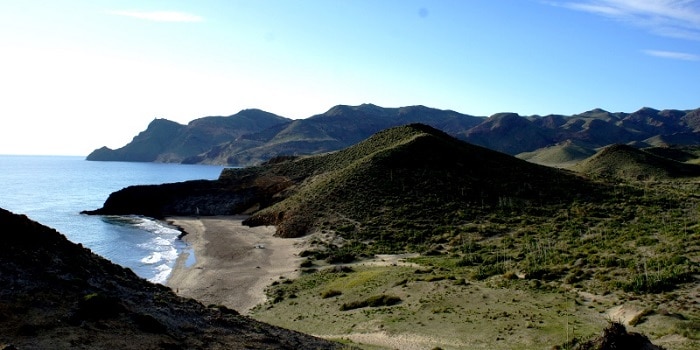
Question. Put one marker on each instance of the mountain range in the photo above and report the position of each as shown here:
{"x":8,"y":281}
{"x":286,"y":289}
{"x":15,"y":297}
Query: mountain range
{"x":254,"y":136}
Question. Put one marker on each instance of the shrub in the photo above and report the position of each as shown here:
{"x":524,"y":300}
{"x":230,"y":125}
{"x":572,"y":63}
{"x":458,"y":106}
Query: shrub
{"x":401,"y":283}
{"x":510,"y":275}
{"x":340,"y":258}
{"x":373,"y":301}
{"x":656,"y":282}
{"x":544,"y":274}
{"x":383,"y":300}
{"x":485,"y":271}
{"x":305,"y":253}
{"x":330,"y":293}
{"x":97,"y":307}
{"x":435,"y":278}
{"x":148,"y":323}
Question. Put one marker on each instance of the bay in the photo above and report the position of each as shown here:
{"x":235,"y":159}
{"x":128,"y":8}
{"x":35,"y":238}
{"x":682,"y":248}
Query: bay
{"x":52,"y":190}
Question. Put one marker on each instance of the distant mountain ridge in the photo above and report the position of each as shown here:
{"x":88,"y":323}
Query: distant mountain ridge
{"x":254,"y":136}
{"x":171,"y":142}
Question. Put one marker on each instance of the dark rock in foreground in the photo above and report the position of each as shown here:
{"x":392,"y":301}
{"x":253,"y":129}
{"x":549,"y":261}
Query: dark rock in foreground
{"x":616,"y":337}
{"x":58,"y":295}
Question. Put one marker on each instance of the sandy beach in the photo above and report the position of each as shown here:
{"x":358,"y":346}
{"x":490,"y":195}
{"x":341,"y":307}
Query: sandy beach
{"x":232,"y":263}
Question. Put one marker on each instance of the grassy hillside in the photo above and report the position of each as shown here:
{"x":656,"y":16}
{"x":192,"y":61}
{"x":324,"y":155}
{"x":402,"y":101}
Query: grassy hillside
{"x":561,"y":155}
{"x":402,"y":184}
{"x":513,"y":255}
{"x":503,"y":253}
{"x":627,"y":162}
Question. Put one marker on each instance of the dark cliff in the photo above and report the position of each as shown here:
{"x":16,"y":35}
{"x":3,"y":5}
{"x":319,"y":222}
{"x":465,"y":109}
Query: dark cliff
{"x":58,"y":295}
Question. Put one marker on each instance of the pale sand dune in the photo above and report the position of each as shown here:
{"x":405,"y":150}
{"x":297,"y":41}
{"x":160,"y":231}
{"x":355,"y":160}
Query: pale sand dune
{"x":234,"y":263}
{"x":398,"y":341}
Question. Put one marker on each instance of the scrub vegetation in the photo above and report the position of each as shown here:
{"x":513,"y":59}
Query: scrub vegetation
{"x":512,"y":254}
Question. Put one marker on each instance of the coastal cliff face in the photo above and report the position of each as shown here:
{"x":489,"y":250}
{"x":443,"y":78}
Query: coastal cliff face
{"x":242,"y":191}
{"x":58,"y":295}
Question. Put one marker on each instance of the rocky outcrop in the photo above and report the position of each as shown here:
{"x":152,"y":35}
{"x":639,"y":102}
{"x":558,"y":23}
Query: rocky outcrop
{"x":58,"y":295}
{"x":616,"y":337}
{"x":241,"y":191}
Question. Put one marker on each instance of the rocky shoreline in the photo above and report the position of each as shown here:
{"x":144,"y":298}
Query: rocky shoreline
{"x":59,"y":295}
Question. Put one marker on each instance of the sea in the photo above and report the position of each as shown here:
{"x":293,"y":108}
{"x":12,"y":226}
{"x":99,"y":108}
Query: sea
{"x":53,"y":190}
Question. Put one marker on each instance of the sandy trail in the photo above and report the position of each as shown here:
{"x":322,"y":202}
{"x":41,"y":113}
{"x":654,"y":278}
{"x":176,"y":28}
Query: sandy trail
{"x":233,"y":263}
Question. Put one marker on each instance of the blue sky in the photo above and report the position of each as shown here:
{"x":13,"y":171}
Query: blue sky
{"x":77,"y":75}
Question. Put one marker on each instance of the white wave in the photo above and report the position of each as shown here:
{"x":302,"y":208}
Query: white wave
{"x":160,"y":241}
{"x":152,"y":259}
{"x":170,"y":254}
{"x":163,"y":272}
{"x":161,"y":247}
{"x":155,"y":226}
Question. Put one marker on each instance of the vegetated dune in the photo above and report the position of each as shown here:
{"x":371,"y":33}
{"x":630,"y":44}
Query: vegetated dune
{"x":58,"y":295}
{"x":626,"y":162}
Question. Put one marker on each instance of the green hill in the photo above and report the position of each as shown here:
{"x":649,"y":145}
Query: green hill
{"x":403,"y":183}
{"x":627,"y":162}
{"x":561,"y":155}
{"x":683,"y":154}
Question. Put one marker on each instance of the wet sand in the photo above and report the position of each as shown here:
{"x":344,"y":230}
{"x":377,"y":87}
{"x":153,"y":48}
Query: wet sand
{"x":232,"y":263}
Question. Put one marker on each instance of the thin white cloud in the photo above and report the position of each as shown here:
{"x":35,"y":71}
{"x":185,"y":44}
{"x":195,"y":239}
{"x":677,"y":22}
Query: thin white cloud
{"x":673,"y":55}
{"x":160,"y":16}
{"x":672,"y":18}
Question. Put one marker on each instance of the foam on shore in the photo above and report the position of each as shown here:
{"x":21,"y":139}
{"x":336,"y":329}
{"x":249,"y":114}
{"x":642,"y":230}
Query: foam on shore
{"x":156,"y":248}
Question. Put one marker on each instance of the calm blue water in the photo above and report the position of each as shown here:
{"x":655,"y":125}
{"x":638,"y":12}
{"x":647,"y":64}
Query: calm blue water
{"x":53,"y":190}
